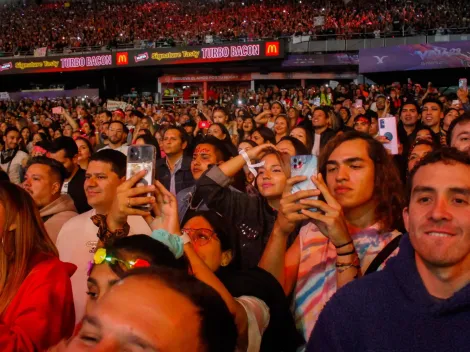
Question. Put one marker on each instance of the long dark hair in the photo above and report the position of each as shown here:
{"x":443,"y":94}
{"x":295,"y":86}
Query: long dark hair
{"x":388,"y":188}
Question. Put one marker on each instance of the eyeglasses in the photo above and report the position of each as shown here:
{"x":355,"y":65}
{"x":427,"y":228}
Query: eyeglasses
{"x":201,"y":237}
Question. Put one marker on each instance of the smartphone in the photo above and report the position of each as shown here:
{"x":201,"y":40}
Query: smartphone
{"x":57,"y":110}
{"x":388,"y":129}
{"x":142,"y":157}
{"x":463,"y":84}
{"x":358,"y":103}
{"x":204,"y":124}
{"x":316,"y":101}
{"x":304,"y":165}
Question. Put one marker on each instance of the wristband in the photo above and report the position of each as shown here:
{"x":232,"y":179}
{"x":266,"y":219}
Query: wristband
{"x":175,"y":243}
{"x":251,"y":166}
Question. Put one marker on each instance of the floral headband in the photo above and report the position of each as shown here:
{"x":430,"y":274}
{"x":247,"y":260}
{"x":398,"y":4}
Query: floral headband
{"x":102,"y":256}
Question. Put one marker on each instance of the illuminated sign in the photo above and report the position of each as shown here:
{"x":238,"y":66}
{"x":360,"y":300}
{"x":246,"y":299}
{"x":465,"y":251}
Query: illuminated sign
{"x":141,"y":57}
{"x":148,"y":57}
{"x":88,"y":61}
{"x":122,"y":58}
{"x":6,"y":66}
{"x":272,"y":48}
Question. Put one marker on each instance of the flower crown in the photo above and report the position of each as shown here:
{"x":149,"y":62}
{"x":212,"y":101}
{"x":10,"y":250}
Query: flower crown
{"x":102,"y":256}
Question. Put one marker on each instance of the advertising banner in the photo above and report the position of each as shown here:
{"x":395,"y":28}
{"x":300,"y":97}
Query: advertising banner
{"x":227,"y":77}
{"x":146,"y":57}
{"x":307,"y":60}
{"x":415,"y":57}
{"x":112,"y":105}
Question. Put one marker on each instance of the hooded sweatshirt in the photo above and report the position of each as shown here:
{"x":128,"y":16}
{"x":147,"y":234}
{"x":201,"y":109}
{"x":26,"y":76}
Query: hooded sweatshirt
{"x":391,"y":310}
{"x":41,"y":313}
{"x":56,"y":214}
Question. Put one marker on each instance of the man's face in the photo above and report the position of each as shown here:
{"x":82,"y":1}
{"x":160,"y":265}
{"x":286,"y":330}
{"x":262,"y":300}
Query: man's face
{"x":184,"y":119}
{"x":172,"y":143}
{"x":41,"y":185}
{"x":409,"y":115}
{"x":68,"y":163}
{"x":431,"y":115}
{"x":461,"y":137}
{"x":437,"y":217}
{"x":100,"y":185}
{"x":319,"y":119}
{"x":11,"y":140}
{"x":134,"y":120}
{"x":350,"y":174}
{"x":380,"y":103}
{"x":374,"y":126}
{"x":203,"y":156}
{"x":104,"y":118}
{"x":151,"y":325}
{"x":115,"y":133}
{"x":362,"y":125}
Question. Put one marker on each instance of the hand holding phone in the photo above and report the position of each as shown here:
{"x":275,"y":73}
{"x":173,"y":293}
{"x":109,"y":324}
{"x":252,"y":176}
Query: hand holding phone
{"x":463,"y":84}
{"x":57,"y":110}
{"x":204,"y":124}
{"x":141,"y":158}
{"x":304,"y":165}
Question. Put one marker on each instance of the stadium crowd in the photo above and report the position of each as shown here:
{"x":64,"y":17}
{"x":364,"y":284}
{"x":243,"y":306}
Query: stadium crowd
{"x":278,"y":220}
{"x":78,"y":24}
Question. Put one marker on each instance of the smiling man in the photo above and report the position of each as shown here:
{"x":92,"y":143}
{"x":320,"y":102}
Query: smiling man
{"x":426,"y":289}
{"x":77,"y":240}
{"x":431,"y":115}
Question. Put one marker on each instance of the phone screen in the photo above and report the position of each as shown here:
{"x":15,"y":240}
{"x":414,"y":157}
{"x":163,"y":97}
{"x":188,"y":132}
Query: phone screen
{"x":141,"y":157}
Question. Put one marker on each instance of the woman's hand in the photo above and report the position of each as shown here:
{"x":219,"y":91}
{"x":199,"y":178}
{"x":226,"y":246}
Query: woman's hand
{"x":128,"y":197}
{"x":257,"y":152}
{"x":165,"y":209}
{"x":330,"y":221}
{"x":290,"y":208}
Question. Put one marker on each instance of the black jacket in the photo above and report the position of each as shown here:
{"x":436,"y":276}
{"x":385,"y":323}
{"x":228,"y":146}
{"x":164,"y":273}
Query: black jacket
{"x":77,"y":192}
{"x":325,"y":137}
{"x":183,"y":177}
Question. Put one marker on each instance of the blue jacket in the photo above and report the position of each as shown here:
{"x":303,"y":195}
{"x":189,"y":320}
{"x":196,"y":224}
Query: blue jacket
{"x":391,"y":310}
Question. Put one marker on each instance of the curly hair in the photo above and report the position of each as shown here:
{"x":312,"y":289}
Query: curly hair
{"x":388,"y":188}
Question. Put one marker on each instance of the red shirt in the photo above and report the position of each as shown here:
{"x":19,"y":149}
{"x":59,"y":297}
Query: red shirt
{"x":42,"y":312}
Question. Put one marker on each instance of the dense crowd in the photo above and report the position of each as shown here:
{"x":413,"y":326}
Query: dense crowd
{"x":75,"y":24}
{"x":271,"y":220}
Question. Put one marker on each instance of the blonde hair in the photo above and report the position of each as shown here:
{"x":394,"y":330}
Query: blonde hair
{"x":23,"y":236}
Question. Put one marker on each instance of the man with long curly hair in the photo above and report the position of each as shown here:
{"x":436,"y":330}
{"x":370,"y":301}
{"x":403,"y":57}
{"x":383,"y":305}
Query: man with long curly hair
{"x":353,"y":220}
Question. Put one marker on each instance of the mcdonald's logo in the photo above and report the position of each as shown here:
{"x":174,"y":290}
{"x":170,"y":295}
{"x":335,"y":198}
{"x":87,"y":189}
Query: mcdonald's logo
{"x":272,"y":49}
{"x":122,"y":58}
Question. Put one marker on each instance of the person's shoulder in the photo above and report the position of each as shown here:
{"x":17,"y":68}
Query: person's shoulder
{"x":77,"y":220}
{"x":49,"y":269}
{"x":21,"y":154}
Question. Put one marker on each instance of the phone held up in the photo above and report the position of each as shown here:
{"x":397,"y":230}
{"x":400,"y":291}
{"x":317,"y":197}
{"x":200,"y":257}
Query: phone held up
{"x":463,"y":84}
{"x":142,"y":157}
{"x":304,"y":165}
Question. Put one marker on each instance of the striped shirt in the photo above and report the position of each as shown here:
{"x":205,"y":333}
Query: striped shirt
{"x":316,"y":278}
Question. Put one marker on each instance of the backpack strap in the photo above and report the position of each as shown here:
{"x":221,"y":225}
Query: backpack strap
{"x":383,"y":255}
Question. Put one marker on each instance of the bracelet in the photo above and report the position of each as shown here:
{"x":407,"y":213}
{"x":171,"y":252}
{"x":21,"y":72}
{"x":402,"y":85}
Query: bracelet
{"x":347,"y":253}
{"x":251,"y":166}
{"x":174,"y":243}
{"x":343,"y":245}
{"x":341,"y":267}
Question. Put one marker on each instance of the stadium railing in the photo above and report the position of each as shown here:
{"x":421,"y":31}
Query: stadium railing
{"x":296,"y":43}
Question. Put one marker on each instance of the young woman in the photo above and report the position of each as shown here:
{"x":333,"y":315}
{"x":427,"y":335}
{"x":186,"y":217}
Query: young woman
{"x":147,"y":139}
{"x":252,"y":216}
{"x":219,"y":115}
{"x":85,"y":150}
{"x":267,"y":118}
{"x":291,"y":146}
{"x":147,"y":124}
{"x":293,"y":115}
{"x":418,"y":150}
{"x":303,"y":135}
{"x":263,"y":135}
{"x":281,"y":127}
{"x":68,"y":130}
{"x":36,"y":302}
{"x":26,"y":139}
{"x":248,"y":127}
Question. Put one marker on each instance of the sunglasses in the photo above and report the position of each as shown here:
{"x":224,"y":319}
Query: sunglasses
{"x":200,"y":237}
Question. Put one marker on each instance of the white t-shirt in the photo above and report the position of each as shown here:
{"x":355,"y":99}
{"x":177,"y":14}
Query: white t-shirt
{"x":316,"y":145}
{"x":123,"y":149}
{"x":76,"y":244}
